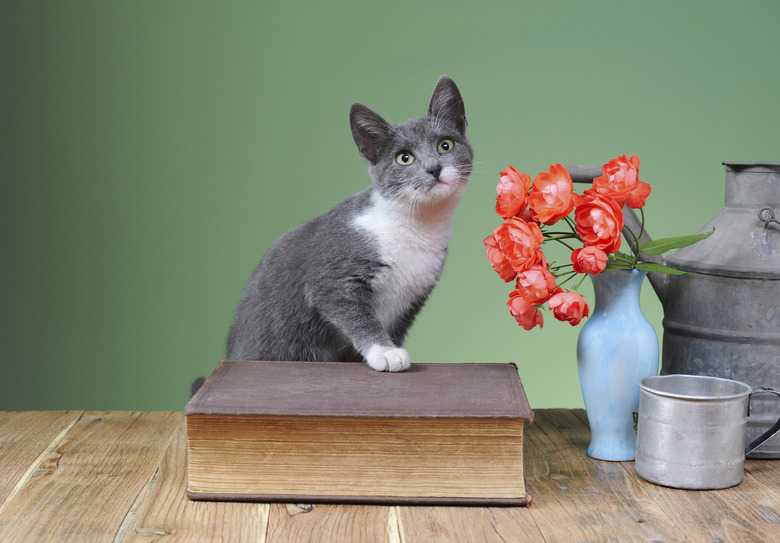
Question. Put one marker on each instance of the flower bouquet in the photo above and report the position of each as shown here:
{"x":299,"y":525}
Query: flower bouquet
{"x":589,"y":225}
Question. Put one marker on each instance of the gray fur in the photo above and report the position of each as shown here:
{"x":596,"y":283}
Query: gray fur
{"x":314,"y":294}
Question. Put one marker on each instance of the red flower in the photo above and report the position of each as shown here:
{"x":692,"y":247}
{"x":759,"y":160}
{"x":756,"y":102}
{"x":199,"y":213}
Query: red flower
{"x":520,"y":242}
{"x":535,"y":285}
{"x":639,"y":195}
{"x":526,"y":314}
{"x":568,"y":307}
{"x":619,"y":180}
{"x":599,"y":221}
{"x":551,"y":195}
{"x":497,"y":259}
{"x":512,"y":192}
{"x":589,"y":260}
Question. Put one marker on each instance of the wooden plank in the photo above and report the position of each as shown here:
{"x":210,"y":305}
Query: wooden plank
{"x":163,"y":512}
{"x":24,"y":437}
{"x":749,"y":511}
{"x":89,"y":482}
{"x":577,"y":498}
{"x":332,"y":523}
{"x":122,"y":477}
{"x":483,"y":524}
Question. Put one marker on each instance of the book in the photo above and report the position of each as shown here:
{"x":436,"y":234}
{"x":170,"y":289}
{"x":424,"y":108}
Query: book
{"x":343,"y":433}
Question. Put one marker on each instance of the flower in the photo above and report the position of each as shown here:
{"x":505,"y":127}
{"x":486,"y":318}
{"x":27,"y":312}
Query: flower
{"x":638,"y":196}
{"x":568,"y":306}
{"x":589,"y":259}
{"x":535,"y":284}
{"x":619,"y":181}
{"x":498,"y":260}
{"x":520,"y":242}
{"x":512,"y":192}
{"x":618,"y":178}
{"x":531,"y":208}
{"x":525,"y":313}
{"x":551,"y":195}
{"x":599,"y":221}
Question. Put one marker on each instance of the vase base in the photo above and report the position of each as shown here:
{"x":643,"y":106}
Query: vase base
{"x":612,"y":454}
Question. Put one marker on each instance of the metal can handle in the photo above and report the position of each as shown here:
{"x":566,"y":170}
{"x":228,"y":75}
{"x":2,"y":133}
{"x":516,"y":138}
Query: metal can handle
{"x":767,"y":215}
{"x":769,"y":434}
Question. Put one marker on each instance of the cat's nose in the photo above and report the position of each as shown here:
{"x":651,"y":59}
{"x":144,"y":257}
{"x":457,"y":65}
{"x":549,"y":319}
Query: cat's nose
{"x":433,"y":168}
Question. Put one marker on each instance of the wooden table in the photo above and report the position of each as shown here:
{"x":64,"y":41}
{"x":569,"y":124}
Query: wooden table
{"x":121,"y":476}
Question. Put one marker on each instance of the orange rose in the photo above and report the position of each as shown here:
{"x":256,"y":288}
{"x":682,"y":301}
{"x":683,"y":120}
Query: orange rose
{"x":526,"y":314}
{"x":619,"y":177}
{"x":520,"y":242}
{"x":589,"y":260}
{"x":638,"y":196}
{"x":568,"y":307}
{"x":599,"y":221}
{"x":497,"y":259}
{"x":551,"y":195}
{"x":535,"y":285}
{"x":512,"y":192}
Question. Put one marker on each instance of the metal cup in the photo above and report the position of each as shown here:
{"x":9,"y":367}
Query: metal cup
{"x":691,"y":431}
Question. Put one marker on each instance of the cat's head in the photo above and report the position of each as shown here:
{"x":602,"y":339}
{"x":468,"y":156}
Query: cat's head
{"x":423,"y":160}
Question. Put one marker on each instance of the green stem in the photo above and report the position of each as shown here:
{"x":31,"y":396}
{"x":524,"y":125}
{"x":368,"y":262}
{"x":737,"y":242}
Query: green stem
{"x":566,"y":278}
{"x":584,"y":275}
{"x":634,"y":244}
{"x":554,"y":236}
{"x":571,"y":223}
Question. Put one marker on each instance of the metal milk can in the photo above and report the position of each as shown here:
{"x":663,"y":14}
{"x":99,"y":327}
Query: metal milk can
{"x":723,"y":318}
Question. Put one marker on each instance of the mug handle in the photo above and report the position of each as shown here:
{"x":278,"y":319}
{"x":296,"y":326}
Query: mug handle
{"x":769,"y":434}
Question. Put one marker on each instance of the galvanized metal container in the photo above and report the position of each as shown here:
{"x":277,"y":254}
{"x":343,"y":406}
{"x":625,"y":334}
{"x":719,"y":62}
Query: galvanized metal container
{"x":691,"y":431}
{"x":723,"y":319}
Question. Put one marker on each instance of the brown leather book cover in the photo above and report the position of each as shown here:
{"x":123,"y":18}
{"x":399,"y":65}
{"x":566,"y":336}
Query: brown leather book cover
{"x":341,"y":432}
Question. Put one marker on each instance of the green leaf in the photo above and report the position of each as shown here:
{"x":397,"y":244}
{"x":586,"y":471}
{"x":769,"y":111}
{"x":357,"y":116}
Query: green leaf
{"x":622,"y":257}
{"x":660,"y":268}
{"x":615,"y":265}
{"x":660,"y":246}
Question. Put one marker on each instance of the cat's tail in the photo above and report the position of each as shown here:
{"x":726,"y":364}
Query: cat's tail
{"x":196,"y":384}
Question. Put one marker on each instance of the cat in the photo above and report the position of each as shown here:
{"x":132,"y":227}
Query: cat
{"x":346,"y":286}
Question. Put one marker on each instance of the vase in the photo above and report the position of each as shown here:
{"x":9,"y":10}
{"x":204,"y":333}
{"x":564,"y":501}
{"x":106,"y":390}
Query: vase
{"x":617,"y":347}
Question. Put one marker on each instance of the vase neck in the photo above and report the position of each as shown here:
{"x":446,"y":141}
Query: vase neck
{"x":618,"y":288}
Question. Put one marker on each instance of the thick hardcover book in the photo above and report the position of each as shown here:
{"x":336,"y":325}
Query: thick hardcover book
{"x":341,"y":432}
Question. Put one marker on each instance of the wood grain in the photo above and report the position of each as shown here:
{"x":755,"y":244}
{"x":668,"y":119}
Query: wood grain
{"x":483,"y":524}
{"x":120,"y":477}
{"x":577,"y":498}
{"x":324,"y":523}
{"x":83,"y":489}
{"x":24,"y":437}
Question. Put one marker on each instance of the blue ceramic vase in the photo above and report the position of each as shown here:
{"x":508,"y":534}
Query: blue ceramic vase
{"x":617,"y":346}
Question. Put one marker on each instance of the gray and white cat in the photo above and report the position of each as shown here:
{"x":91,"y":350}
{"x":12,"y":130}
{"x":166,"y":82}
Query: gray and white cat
{"x":346,"y":286}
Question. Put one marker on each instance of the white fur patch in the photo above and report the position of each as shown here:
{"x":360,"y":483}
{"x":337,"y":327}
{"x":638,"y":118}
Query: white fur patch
{"x":413,"y":248}
{"x":381,"y":358}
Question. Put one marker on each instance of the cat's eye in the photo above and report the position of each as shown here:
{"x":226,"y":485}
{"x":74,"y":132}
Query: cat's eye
{"x":404,"y":158}
{"x":445,"y":146}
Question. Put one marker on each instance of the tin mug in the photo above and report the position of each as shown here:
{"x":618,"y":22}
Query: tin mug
{"x":691,"y":431}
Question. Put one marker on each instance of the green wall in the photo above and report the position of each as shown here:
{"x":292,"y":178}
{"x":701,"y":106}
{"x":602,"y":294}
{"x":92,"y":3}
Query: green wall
{"x":151,"y":151}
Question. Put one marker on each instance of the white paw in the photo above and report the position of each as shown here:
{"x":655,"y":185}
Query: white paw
{"x":381,"y":358}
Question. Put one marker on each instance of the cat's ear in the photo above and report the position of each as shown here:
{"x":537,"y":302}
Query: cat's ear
{"x":369,"y":131}
{"x":447,"y":105}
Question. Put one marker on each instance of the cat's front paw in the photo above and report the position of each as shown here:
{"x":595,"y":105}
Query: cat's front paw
{"x":382,"y":358}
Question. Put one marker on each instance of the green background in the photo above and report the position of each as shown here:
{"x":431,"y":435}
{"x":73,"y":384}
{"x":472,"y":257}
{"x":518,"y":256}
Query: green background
{"x":151,"y":151}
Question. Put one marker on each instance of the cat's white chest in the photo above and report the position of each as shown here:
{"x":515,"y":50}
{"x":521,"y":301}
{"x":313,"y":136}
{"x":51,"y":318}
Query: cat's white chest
{"x":414,"y":252}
